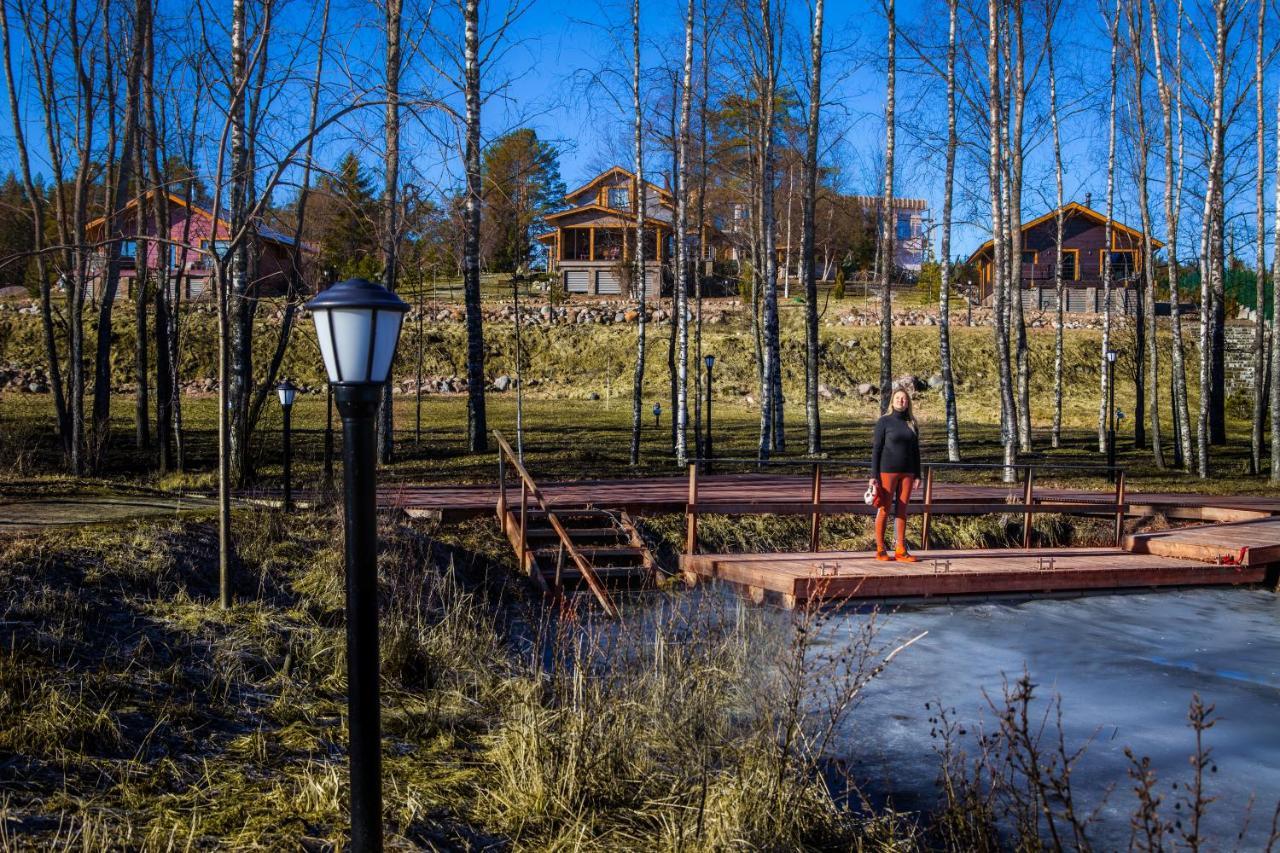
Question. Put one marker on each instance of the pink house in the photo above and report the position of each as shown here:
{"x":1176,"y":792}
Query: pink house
{"x":193,"y":233}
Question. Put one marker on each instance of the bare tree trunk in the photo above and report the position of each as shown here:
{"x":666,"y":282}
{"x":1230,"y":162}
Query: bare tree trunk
{"x":295,"y":285}
{"x":1211,"y":246}
{"x":142,"y":284}
{"x":1113,"y":30}
{"x":1275,"y":342}
{"x":390,"y":213}
{"x":944,"y":288}
{"x":703,"y":255}
{"x":640,"y":280}
{"x":36,"y":201}
{"x":1142,"y":144}
{"x":229,"y":289}
{"x":807,"y":214}
{"x":118,"y":199}
{"x":1172,"y":209}
{"x":683,"y":264}
{"x":1000,"y":266}
{"x":770,"y":398}
{"x":886,"y":213}
{"x":158,"y":196}
{"x":477,"y":430}
{"x":1259,"y":328}
{"x":1059,"y":326}
{"x":1016,"y":157}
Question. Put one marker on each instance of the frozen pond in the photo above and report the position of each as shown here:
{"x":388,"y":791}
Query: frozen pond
{"x":1125,"y":666}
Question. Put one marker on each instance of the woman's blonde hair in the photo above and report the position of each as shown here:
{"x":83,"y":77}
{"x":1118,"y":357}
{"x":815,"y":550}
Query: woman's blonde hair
{"x":909,"y":414}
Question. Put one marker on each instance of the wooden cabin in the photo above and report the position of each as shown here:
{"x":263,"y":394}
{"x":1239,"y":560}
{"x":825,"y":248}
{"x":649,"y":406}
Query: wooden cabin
{"x":190,"y":270}
{"x":591,"y":246}
{"x":1084,"y":252}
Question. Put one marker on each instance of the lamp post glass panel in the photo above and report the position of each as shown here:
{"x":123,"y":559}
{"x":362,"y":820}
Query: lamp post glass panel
{"x":358,"y":326}
{"x":287,"y":392}
{"x":711,"y":362}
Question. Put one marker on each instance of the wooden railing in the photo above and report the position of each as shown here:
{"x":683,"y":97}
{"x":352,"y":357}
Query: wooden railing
{"x":529,"y":489}
{"x":816,"y":508}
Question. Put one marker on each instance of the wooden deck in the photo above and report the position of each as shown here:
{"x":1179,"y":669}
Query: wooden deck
{"x":796,"y":579}
{"x":1245,"y":543}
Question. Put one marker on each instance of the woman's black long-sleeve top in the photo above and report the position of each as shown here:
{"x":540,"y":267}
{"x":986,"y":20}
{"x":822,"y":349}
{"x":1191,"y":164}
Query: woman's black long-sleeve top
{"x":896,"y":447}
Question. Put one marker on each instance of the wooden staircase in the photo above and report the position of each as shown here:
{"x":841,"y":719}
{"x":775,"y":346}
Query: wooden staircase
{"x":570,"y":549}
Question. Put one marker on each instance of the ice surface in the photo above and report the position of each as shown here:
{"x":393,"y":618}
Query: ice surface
{"x":1125,"y":667}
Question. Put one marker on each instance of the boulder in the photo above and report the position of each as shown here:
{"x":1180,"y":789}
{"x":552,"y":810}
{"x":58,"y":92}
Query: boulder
{"x":866,"y":389}
{"x":935,"y":382}
{"x":502,"y":383}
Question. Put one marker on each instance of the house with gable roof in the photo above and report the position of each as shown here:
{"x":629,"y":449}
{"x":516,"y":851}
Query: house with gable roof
{"x":1085,"y":255}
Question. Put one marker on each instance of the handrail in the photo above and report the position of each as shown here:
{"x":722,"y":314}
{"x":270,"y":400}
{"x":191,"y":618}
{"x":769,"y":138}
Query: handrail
{"x":816,"y":507}
{"x":866,"y":463}
{"x":527,"y":487}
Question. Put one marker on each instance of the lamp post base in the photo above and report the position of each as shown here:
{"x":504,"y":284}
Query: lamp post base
{"x":358,"y":406}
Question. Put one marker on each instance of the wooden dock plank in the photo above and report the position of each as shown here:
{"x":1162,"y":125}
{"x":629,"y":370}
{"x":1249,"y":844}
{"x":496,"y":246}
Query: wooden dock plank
{"x":858,"y":575}
{"x":1253,"y":543}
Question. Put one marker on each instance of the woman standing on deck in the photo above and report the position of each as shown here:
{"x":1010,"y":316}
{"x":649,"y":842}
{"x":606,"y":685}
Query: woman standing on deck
{"x":895,"y":467}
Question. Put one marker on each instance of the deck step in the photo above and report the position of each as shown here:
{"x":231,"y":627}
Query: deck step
{"x":576,"y":533}
{"x":591,"y":554}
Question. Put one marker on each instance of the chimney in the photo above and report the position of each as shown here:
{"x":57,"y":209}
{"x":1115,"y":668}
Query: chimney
{"x":1088,"y":199}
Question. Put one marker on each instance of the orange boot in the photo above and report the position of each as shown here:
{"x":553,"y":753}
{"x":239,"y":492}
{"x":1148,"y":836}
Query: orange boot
{"x":882,"y":520}
{"x":900,"y":552}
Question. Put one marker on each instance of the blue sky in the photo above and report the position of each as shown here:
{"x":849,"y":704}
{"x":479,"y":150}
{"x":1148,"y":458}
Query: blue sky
{"x":558,"y":47}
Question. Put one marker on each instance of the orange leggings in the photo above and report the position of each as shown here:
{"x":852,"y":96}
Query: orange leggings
{"x":899,"y":487}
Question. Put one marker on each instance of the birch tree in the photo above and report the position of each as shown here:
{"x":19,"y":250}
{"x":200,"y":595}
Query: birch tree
{"x":390,"y":211}
{"x":1260,"y":212}
{"x":944,"y":286}
{"x":638,"y":278}
{"x":1170,"y":94}
{"x":477,"y":428}
{"x":1059,"y":325}
{"x":807,"y":260}
{"x":1000,"y":266}
{"x":1113,"y":32}
{"x":886,"y":214}
{"x":683,"y":262}
{"x":1211,"y":237}
{"x":1142,"y":144}
{"x":1275,"y":350}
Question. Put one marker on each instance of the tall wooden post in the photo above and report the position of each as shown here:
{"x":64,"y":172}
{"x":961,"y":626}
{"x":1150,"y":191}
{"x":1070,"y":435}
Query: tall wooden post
{"x":1027,"y":494}
{"x":691,"y":512}
{"x":1120,"y":497}
{"x":928,"y":508}
{"x":815,"y":521}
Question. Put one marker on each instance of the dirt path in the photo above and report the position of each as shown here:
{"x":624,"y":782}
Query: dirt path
{"x":19,"y":514}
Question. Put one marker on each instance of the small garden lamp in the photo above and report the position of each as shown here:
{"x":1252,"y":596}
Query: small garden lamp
{"x":358,"y":326}
{"x":286,"y":391}
{"x":657,"y":413}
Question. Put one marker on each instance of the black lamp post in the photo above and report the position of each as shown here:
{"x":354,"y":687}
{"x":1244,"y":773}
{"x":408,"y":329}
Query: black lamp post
{"x":657,"y":414}
{"x":287,"y":392}
{"x":1111,"y":417}
{"x":711,"y":362}
{"x":358,"y":324}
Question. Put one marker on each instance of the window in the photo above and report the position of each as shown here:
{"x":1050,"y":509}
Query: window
{"x":1070,"y":272}
{"x":1029,"y":258}
{"x":1122,"y":264}
{"x":619,"y":198}
{"x":128,"y":250}
{"x":904,"y":226}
